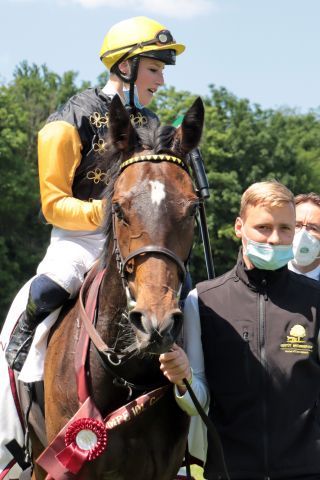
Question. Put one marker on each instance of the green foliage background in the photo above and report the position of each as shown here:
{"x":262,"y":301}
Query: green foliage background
{"x":241,"y":144}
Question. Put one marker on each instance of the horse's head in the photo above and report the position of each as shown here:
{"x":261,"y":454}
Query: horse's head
{"x":153,"y":211}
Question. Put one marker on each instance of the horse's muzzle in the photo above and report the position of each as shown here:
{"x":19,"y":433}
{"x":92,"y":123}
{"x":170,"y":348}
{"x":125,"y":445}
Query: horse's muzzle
{"x":154,"y":336}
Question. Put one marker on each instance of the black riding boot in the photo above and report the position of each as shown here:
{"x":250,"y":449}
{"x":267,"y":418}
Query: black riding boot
{"x":45,"y":296}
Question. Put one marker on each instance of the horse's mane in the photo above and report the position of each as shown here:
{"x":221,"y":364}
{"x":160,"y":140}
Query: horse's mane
{"x":159,"y":139}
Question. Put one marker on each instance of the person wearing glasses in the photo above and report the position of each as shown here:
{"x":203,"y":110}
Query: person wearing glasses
{"x":135,"y":51}
{"x":306,"y":243}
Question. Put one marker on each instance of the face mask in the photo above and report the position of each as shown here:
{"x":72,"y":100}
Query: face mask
{"x":267,"y":257}
{"x":306,"y":248}
{"x":126,"y":93}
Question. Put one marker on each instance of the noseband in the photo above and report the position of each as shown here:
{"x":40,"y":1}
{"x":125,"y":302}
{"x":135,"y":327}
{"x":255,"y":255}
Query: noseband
{"x":147,"y":249}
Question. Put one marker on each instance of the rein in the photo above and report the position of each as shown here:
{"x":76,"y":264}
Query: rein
{"x":92,"y":285}
{"x":100,"y":345}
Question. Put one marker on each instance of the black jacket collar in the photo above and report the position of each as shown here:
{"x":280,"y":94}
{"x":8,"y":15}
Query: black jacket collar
{"x":257,"y":279}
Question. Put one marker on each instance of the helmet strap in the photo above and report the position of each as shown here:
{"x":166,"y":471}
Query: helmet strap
{"x":133,"y":77}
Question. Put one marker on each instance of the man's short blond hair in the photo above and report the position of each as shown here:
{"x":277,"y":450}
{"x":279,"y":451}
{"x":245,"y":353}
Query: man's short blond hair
{"x":271,"y":193}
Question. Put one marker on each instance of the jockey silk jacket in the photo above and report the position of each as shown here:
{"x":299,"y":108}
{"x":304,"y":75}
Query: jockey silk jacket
{"x":72,"y":173}
{"x":260,"y":334}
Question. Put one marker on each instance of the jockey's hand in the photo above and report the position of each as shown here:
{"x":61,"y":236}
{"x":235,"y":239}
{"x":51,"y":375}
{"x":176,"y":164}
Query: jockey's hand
{"x":175,"y":366}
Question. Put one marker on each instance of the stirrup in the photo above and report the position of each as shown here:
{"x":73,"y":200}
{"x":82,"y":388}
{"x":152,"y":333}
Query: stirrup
{"x":16,"y":354}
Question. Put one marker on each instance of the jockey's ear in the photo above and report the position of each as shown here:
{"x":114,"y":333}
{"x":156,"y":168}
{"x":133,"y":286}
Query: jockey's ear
{"x":191,"y":128}
{"x":121,"y":131}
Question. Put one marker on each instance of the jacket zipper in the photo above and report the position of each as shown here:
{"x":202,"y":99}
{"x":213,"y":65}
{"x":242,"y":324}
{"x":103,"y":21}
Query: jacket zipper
{"x":262,"y":337}
{"x":245,"y":337}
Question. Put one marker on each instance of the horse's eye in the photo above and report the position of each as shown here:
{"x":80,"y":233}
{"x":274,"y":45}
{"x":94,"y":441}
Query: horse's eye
{"x":193,"y":209}
{"x":118,"y":211}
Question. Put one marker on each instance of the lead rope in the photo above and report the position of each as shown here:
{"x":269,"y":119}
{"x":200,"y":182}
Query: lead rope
{"x":217,"y":453}
{"x":188,"y":462}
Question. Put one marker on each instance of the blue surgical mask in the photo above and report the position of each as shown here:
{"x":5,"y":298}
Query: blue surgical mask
{"x":268,"y":257}
{"x":126,"y":93}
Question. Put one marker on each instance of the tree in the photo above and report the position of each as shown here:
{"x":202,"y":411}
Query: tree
{"x":25,"y":104}
{"x":241,"y":144}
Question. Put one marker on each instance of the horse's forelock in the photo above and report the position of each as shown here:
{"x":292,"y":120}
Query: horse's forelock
{"x":157,"y":139}
{"x":164,"y":138}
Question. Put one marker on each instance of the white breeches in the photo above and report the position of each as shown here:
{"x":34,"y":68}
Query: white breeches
{"x":69,"y":257}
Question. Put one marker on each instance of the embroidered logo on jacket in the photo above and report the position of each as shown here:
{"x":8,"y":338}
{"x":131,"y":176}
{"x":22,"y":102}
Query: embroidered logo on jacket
{"x":139,"y":120}
{"x":100,"y":147}
{"x":295,"y":341}
{"x":102,"y":121}
{"x":99,"y":120}
{"x":98,"y":175}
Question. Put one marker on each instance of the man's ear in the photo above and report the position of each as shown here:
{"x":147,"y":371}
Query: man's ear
{"x":238,"y":227}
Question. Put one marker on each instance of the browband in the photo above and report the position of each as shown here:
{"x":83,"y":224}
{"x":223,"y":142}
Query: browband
{"x":154,"y":158}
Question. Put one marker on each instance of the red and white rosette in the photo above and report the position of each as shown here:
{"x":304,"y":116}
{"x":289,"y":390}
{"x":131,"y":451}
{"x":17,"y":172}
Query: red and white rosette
{"x":85,"y":439}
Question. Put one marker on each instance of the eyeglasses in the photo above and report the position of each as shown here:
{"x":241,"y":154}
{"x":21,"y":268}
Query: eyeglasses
{"x":310,"y":227}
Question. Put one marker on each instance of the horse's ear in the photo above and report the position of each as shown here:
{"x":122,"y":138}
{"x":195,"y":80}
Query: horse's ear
{"x":121,"y":131}
{"x":192,"y":125}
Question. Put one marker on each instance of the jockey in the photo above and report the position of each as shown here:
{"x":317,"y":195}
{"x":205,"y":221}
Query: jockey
{"x":72,"y":180}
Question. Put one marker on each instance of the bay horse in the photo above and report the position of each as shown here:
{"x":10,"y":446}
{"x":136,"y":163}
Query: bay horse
{"x":149,"y":223}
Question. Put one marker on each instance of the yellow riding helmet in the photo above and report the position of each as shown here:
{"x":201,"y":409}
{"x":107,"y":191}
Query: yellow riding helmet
{"x":136,"y":36}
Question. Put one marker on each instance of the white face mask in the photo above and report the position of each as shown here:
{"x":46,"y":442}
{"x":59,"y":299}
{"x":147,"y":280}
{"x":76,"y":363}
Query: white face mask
{"x":306,"y":248}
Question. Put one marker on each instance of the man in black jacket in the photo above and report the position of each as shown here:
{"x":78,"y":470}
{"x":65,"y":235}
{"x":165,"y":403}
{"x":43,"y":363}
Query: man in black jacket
{"x":259,"y":328}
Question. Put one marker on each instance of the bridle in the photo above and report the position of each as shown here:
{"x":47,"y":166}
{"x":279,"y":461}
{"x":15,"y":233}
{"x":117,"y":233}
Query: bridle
{"x":107,"y":354}
{"x":122,"y":262}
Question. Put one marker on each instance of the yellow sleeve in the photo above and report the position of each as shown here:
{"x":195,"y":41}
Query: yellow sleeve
{"x":59,"y":155}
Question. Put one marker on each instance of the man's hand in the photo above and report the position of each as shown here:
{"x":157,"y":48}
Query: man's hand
{"x":175,"y":366}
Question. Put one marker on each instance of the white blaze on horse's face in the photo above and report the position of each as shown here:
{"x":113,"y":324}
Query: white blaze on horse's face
{"x":157,"y":192}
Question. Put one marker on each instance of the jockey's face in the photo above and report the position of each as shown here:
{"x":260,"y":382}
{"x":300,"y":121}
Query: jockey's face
{"x":150,"y":78}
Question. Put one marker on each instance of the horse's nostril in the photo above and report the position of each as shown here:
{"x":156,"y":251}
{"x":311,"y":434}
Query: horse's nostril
{"x":160,"y":338}
{"x":136,"y":318}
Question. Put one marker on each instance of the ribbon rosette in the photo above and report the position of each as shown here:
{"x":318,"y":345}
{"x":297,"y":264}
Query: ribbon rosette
{"x":85,"y":439}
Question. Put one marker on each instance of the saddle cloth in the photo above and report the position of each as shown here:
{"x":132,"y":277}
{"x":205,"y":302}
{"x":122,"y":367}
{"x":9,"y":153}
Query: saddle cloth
{"x":10,"y":426}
